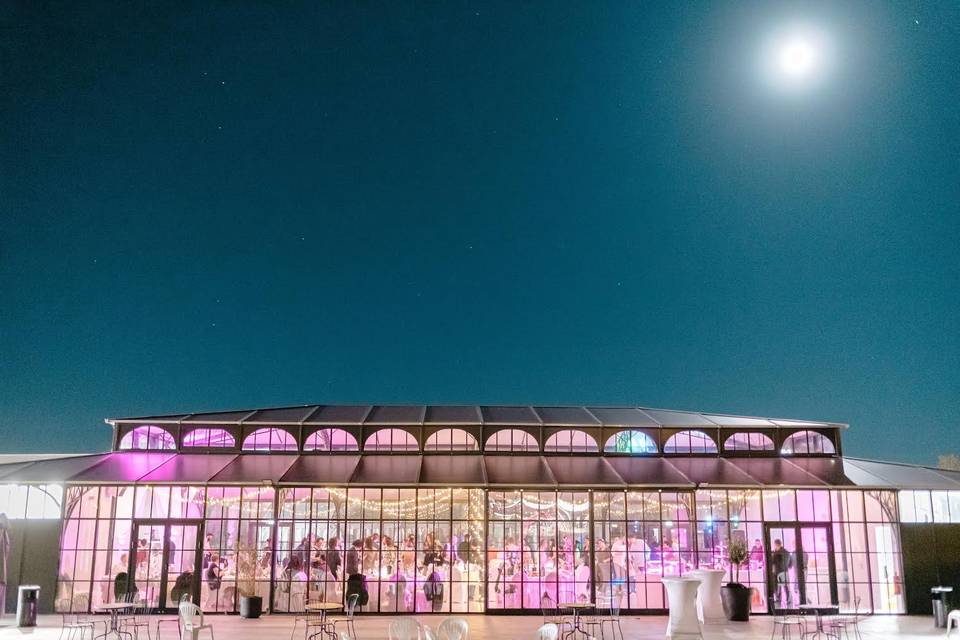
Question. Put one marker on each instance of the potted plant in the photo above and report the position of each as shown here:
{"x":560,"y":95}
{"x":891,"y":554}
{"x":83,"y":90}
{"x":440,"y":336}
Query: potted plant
{"x":735,"y":596}
{"x":251,"y":605}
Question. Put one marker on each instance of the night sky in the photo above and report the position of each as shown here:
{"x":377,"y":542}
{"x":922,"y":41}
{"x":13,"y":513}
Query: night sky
{"x":260,"y":204}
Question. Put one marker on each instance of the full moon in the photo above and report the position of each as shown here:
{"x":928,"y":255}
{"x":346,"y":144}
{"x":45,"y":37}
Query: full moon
{"x":796,"y":58}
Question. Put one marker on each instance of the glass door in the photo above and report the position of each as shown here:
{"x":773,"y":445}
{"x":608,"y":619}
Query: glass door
{"x":800,"y":565}
{"x":165,"y":562}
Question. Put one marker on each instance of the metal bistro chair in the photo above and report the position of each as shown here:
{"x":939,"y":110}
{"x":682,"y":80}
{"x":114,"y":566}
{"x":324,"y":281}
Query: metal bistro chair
{"x":73,"y":622}
{"x":849,"y":621}
{"x":348,"y":618}
{"x":786,"y":622}
{"x":552,"y":614}
{"x":453,"y":629}
{"x":137,"y":619}
{"x":312,"y":621}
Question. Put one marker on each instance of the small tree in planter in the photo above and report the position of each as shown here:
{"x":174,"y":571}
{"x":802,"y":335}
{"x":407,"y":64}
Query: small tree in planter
{"x":735,"y":596}
{"x":251,"y":605}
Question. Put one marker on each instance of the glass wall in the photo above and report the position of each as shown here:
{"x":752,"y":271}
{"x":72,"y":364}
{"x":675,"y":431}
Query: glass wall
{"x":419,"y":550}
{"x":539,"y":549}
{"x":424,"y":550}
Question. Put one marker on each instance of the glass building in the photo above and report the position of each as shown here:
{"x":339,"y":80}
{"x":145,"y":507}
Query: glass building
{"x":494,"y":508}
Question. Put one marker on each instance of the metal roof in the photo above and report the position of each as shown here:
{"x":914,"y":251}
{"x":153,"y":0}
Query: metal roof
{"x":399,"y":415}
{"x":488,"y":470}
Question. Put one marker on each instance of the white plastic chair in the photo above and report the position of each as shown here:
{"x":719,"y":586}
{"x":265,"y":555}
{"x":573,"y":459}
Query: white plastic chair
{"x":953,"y":618}
{"x":191,"y":620}
{"x":549,"y":631}
{"x":453,"y":629}
{"x":403,"y":629}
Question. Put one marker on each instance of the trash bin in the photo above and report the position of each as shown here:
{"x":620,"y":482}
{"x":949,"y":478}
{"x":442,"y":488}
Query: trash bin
{"x":27,"y":602}
{"x":941,"y":605}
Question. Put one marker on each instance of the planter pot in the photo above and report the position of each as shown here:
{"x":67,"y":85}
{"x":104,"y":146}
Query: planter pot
{"x":736,"y":602}
{"x":251,"y":606}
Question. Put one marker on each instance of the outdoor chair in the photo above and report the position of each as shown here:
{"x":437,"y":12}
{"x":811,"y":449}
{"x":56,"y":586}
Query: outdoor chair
{"x":404,"y":629}
{"x":191,"y":620}
{"x":549,"y":631}
{"x":607,"y":613}
{"x":310,"y":619}
{"x":73,"y":622}
{"x":348,"y":619}
{"x":137,"y":619}
{"x":786,"y":622}
{"x":850,"y":621}
{"x":174,"y":619}
{"x":552,"y":614}
{"x":453,"y":629}
{"x":953,"y":618}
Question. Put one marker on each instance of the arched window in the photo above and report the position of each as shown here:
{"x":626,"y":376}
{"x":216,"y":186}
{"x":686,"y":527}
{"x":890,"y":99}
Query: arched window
{"x":451,"y":440}
{"x":331,"y":440}
{"x":630,"y":441}
{"x":148,"y":438}
{"x":269,"y":440}
{"x":391,"y":440}
{"x":803,"y":442}
{"x":511,"y":440}
{"x":570,"y":441}
{"x":690,"y":442}
{"x":209,"y":437}
{"x":748,"y":442}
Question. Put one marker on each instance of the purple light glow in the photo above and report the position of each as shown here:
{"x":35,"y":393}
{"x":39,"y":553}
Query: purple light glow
{"x":148,"y":437}
{"x":748,"y":442}
{"x":269,"y":440}
{"x":807,"y":442}
{"x":690,"y":442}
{"x":512,"y":440}
{"x":209,"y":437}
{"x":331,"y":440}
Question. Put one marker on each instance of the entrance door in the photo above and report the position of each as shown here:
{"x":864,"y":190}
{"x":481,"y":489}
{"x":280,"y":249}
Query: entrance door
{"x":165,"y":561}
{"x":800,"y":564}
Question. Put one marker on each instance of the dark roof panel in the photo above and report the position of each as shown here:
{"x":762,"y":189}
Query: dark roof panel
{"x":566,"y":417}
{"x":712,"y":471}
{"x":55,"y":469}
{"x":738,"y":421}
{"x":518,"y":471}
{"x":622,"y":417}
{"x":828,"y":470}
{"x":321,"y":469}
{"x":590,"y":471}
{"x":648,"y":471}
{"x":775,"y":471}
{"x":452,"y":470}
{"x":255,"y":468}
{"x":452,"y":415}
{"x":123,"y":467}
{"x":332,"y":415}
{"x":387,"y":470}
{"x":190,"y":468}
{"x":678,"y":419}
{"x":519,"y":416}
{"x":286,"y":415}
{"x":396,"y":415}
{"x":222,"y":417}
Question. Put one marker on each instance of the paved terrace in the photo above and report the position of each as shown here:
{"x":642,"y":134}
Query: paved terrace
{"x":490,"y":628}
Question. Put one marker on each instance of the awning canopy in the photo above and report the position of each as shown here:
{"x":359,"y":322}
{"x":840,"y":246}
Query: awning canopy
{"x":476,"y":470}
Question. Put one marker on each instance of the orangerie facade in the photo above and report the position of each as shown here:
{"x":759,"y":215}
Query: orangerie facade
{"x":506,"y":507}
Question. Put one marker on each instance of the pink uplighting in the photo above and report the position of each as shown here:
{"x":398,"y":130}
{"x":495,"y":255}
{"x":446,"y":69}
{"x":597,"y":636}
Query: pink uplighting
{"x":148,"y":437}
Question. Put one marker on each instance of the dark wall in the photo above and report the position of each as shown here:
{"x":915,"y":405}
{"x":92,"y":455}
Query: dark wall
{"x":927,"y":548}
{"x":34,"y":558}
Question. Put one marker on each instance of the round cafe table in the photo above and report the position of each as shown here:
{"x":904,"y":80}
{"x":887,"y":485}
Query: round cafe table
{"x":114,"y":609}
{"x":682,"y":598}
{"x":577,"y":608}
{"x":708,"y":595}
{"x":323,"y":627}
